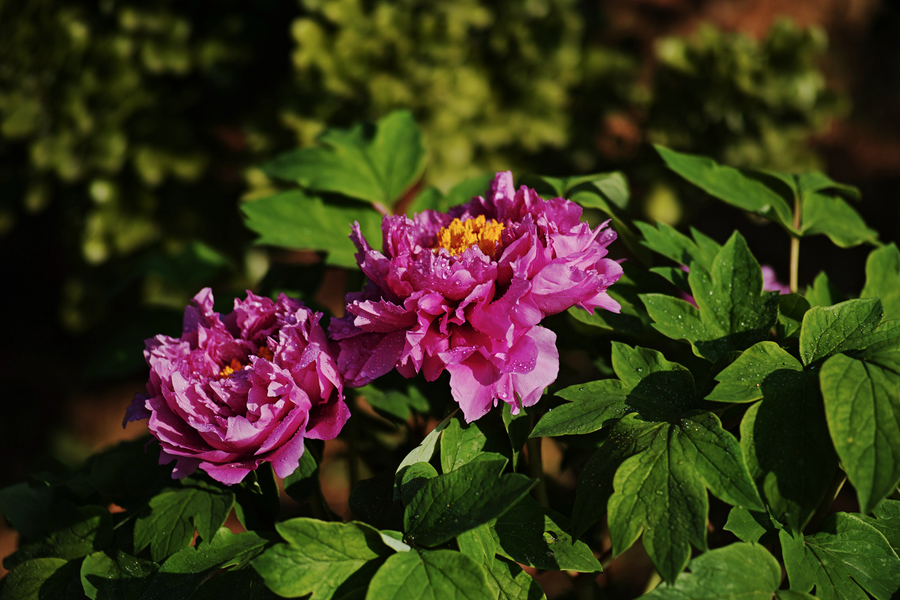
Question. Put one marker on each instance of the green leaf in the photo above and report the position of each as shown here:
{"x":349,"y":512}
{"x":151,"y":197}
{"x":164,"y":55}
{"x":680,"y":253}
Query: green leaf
{"x":595,"y":484}
{"x":376,"y":164}
{"x":887,"y":522}
{"x":735,"y":572}
{"x":883,"y":279}
{"x":168,"y":522}
{"x":745,"y":190}
{"x":430,"y":575}
{"x":111,"y":575}
{"x":304,"y":481}
{"x":839,"y":328}
{"x":822,"y":292}
{"x":299,"y":221}
{"x":245,"y":584}
{"x":461,"y":500}
{"x":478,"y":543}
{"x":26,"y":506}
{"x":394,"y":404}
{"x":649,"y":384}
{"x":424,"y":451}
{"x":412,"y":478}
{"x":73,"y":532}
{"x":862,"y":404}
{"x":187,"y":569}
{"x":791,"y":308}
{"x":322,"y":559}
{"x":845,"y":560}
{"x":810,"y":183}
{"x":509,"y":581}
{"x":679,"y":247}
{"x":462,"y":443}
{"x":432,"y":199}
{"x":783,"y":437}
{"x":518,"y":427}
{"x":632,"y":318}
{"x":746,"y":525}
{"x":832,"y":216}
{"x":530,"y":536}
{"x":732,"y":313}
{"x":43,"y":579}
{"x":660,"y":491}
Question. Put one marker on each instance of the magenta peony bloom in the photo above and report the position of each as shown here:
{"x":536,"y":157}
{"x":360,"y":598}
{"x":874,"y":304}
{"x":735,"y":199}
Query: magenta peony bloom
{"x":465,"y":292}
{"x":234,"y":392}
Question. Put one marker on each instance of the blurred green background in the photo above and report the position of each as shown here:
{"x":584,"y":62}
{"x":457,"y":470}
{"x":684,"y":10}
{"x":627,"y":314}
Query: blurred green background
{"x":130,"y":131}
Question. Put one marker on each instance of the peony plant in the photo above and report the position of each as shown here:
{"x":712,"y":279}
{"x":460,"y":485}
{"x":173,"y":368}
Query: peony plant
{"x":549,"y":398}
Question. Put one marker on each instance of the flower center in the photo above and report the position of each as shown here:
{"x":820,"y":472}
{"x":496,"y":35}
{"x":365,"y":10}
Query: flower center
{"x":236,"y":365}
{"x":459,"y":236}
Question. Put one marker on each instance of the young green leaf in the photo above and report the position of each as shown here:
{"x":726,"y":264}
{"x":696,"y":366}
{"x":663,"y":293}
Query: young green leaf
{"x":460,"y":500}
{"x":532,"y":536}
{"x":862,"y":404}
{"x":883,"y":279}
{"x":430,"y":575}
{"x":784,"y":437}
{"x":748,"y":526}
{"x":296,"y":220}
{"x":168,"y":523}
{"x":732,"y":313}
{"x":735,"y":572}
{"x":839,"y":328}
{"x":660,"y":491}
{"x":746,"y":190}
{"x":376,"y":164}
{"x":478,"y":543}
{"x":847,"y":558}
{"x":304,"y":481}
{"x":424,"y":451}
{"x":322,"y":559}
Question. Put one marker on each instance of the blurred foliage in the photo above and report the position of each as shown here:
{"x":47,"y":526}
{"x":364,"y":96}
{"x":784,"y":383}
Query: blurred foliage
{"x":747,"y":103}
{"x":128,"y":128}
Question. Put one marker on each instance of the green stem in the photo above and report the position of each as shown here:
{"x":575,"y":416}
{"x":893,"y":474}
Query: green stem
{"x":536,"y":467}
{"x":353,"y":449}
{"x":795,"y":245}
{"x":837,"y":482}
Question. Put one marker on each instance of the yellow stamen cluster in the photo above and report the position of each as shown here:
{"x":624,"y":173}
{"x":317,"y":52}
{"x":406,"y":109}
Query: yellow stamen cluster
{"x":459,"y":236}
{"x":236,"y":365}
{"x":228,"y":370}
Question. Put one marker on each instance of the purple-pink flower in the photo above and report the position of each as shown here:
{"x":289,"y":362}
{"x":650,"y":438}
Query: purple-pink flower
{"x":465,"y":291}
{"x":239,"y":390}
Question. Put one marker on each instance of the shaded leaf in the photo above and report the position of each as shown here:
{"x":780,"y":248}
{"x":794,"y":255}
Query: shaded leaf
{"x":43,"y":579}
{"x":111,"y":575}
{"x":784,"y":437}
{"x":460,"y":500}
{"x":510,"y":582}
{"x":412,"y":478}
{"x":168,"y":523}
{"x":822,"y":292}
{"x":304,"y":481}
{"x":530,"y":536}
{"x":791,"y":308}
{"x":462,"y":442}
{"x":73,"y":532}
{"x":845,"y":560}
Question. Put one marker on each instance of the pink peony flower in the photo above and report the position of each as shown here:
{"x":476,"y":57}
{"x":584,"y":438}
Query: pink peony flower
{"x":234,"y":392}
{"x":465,"y":292}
